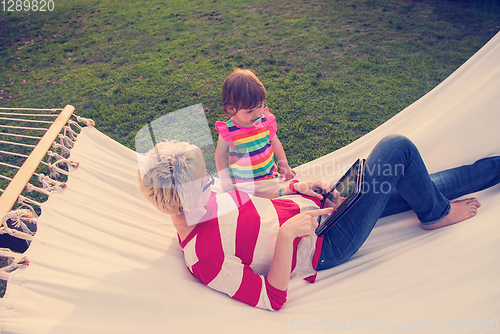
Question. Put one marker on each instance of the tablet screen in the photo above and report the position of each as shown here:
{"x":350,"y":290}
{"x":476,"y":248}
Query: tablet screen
{"x":345,"y":187}
{"x":342,"y":197}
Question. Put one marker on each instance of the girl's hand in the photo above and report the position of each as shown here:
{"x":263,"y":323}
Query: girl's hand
{"x":303,"y":224}
{"x":286,"y":173}
{"x":226,"y":184}
{"x":313,"y":188}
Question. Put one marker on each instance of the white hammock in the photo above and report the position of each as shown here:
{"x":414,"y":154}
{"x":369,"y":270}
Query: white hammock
{"x":105,"y":261}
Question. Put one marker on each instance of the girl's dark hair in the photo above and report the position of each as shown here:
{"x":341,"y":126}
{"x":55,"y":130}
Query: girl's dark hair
{"x":242,"y":90}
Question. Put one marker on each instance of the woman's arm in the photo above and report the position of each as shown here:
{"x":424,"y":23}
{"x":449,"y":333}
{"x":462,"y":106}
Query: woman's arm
{"x":305,"y":188}
{"x":301,"y":225}
{"x":280,"y":155}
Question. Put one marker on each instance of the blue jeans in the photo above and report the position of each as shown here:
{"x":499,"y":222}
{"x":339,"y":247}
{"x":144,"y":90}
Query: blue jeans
{"x":396,"y":180}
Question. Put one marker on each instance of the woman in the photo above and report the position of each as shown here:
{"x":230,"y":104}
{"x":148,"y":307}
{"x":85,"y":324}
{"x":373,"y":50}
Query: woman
{"x":250,"y":247}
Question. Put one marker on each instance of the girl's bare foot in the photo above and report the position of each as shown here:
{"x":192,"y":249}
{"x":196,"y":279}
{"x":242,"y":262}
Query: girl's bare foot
{"x":460,"y":211}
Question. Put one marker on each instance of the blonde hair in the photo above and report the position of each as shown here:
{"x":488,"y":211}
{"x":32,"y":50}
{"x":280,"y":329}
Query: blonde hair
{"x":168,"y":173}
{"x":242,"y":90}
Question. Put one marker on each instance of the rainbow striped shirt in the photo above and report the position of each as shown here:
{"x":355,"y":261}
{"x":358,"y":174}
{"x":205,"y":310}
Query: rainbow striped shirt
{"x":250,"y":154}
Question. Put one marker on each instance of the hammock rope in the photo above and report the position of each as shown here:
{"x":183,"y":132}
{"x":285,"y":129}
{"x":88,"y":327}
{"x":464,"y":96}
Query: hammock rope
{"x":24,"y":120}
{"x":21,"y":221}
{"x":26,"y":115}
{"x":11,"y":262}
{"x":16,"y":221}
{"x":18,"y":144}
{"x":54,"y":169}
{"x":22,"y":128}
{"x":17,"y":135}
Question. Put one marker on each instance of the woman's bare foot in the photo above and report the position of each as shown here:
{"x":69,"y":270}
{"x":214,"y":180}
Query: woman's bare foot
{"x":460,"y":211}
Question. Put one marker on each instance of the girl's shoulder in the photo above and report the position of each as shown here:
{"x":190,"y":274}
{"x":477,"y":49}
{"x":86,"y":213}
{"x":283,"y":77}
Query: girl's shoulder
{"x":268,"y":115}
{"x":271,"y":123}
{"x":223,"y":128}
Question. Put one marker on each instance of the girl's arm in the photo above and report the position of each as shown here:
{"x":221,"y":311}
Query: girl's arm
{"x":221,"y":163}
{"x":286,"y":172}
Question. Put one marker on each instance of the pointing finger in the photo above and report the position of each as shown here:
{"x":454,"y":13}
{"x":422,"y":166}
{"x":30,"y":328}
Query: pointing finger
{"x":319,"y":212}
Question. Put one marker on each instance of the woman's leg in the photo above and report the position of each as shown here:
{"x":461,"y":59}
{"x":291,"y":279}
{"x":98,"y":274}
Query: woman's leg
{"x":454,"y":183}
{"x":394,"y":164}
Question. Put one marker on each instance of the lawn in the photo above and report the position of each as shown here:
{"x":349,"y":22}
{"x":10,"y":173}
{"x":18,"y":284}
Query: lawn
{"x":334,"y":70}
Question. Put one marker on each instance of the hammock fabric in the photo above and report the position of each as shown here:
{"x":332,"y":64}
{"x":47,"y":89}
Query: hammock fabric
{"x":105,"y":261}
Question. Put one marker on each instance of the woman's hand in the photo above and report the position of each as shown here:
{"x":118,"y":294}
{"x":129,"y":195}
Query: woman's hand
{"x":302,"y":225}
{"x":313,"y":188}
{"x":334,"y":200}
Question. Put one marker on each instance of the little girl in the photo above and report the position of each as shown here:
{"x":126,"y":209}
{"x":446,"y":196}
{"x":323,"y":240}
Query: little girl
{"x":248,"y":141}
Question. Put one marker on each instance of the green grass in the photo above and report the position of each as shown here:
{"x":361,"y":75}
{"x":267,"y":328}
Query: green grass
{"x":3,"y":287}
{"x":334,"y":70}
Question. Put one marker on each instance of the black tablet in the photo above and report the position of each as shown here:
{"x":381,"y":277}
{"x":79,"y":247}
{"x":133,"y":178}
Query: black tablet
{"x":350,"y":189}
